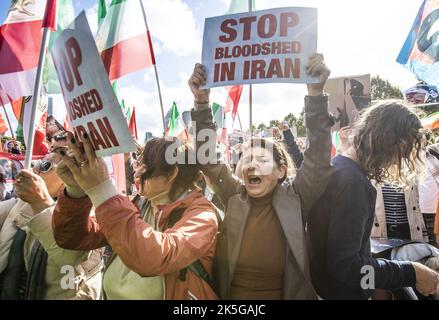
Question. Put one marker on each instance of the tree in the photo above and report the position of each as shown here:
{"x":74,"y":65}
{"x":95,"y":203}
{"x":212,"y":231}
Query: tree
{"x":382,"y":89}
{"x":274,"y":123}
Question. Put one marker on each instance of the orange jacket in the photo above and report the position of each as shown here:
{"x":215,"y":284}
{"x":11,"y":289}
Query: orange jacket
{"x":141,"y":248}
{"x":436,"y":221}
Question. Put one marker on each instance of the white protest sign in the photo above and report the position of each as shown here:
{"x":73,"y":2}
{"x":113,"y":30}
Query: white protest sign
{"x":260,"y":46}
{"x":91,"y":104}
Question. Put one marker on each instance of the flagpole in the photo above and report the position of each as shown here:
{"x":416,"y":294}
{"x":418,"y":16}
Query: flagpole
{"x":6,"y":114}
{"x":239,"y":119}
{"x":9,"y":123}
{"x":250,"y":93}
{"x":36,"y":98}
{"x":49,"y":22}
{"x":155,"y":68}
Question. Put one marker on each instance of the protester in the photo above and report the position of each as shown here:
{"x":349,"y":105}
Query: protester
{"x":291,"y":145}
{"x":398,"y":214}
{"x":266,"y":209}
{"x":165,"y":254}
{"x":32,"y":266}
{"x":387,"y":138}
{"x":429,"y":192}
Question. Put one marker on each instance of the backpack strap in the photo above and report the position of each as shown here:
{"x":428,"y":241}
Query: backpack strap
{"x":196,"y":266}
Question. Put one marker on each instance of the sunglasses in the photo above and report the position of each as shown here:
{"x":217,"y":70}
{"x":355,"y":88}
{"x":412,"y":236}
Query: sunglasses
{"x":43,"y":166}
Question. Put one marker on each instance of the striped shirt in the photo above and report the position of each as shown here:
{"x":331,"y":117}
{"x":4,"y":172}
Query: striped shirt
{"x":396,"y":212}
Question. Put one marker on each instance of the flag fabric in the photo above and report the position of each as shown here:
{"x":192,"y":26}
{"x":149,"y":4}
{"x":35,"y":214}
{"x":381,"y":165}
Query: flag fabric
{"x":336,"y":143}
{"x":132,"y":124}
{"x":65,"y":15}
{"x":102,"y":11}
{"x":20,"y":42}
{"x":40,"y":146}
{"x":3,"y":126}
{"x":176,"y":126}
{"x":218,"y":114}
{"x":17,"y":106}
{"x":123,"y":39}
{"x":232,"y":103}
{"x":67,"y":124}
{"x":420,"y":52}
{"x":50,"y":15}
{"x":432,"y":121}
{"x":422,"y":94}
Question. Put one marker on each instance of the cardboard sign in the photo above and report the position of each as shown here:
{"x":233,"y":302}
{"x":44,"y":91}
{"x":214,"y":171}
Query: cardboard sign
{"x":260,"y":47}
{"x":347,"y":97}
{"x":91,"y":104}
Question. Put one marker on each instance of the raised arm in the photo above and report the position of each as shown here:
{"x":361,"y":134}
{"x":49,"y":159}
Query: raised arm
{"x":313,"y":176}
{"x":73,"y":227}
{"x":225,"y":183}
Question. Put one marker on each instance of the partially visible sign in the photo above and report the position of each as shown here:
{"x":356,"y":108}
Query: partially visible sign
{"x":348,"y":96}
{"x":422,"y":94}
{"x":91,"y":104}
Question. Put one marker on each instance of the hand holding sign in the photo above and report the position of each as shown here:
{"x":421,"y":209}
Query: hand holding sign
{"x":91,"y":104}
{"x":197,"y":80}
{"x":87,"y":169}
{"x":316,"y":68}
{"x":259,"y":47}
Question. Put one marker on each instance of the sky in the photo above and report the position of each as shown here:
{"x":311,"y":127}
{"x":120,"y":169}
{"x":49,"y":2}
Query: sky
{"x":356,"y":37}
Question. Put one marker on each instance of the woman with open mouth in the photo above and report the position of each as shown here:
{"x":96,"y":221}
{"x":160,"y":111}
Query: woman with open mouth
{"x":261,"y":251}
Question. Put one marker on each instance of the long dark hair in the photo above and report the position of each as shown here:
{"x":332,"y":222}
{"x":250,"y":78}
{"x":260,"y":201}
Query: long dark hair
{"x":388,"y":140}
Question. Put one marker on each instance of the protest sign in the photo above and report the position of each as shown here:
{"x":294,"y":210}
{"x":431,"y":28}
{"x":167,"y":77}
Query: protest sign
{"x":422,"y":94}
{"x":260,"y":46}
{"x":420,"y":52}
{"x":91,"y":104}
{"x":347,"y":97}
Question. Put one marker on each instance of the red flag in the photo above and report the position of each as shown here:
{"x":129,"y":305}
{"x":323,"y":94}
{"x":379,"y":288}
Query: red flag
{"x":40,"y":144}
{"x":17,"y":106}
{"x":133,"y":124}
{"x":233,"y":99}
{"x":20,"y":42}
{"x":50,"y":15}
{"x":3,"y":126}
{"x":67,"y":124}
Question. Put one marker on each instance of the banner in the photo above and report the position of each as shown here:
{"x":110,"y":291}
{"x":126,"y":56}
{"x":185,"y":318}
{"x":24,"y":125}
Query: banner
{"x":260,"y":46}
{"x":91,"y":104}
{"x":420,"y":52}
{"x":422,"y":94}
{"x":347,"y":97}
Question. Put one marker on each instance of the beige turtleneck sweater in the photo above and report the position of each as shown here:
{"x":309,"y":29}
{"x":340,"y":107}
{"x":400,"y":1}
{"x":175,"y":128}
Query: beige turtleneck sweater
{"x":120,"y":283}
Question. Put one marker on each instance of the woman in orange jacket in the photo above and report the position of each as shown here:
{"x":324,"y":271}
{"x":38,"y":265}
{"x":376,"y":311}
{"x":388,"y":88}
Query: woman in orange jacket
{"x":167,"y":253}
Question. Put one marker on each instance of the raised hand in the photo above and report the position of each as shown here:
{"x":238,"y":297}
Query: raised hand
{"x":316,"y":67}
{"x":198,"y":79}
{"x":32,"y":189}
{"x":87,"y":169}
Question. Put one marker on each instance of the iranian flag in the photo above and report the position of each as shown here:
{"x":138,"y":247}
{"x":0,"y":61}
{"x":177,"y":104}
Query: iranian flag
{"x":64,"y":16}
{"x":176,"y":127}
{"x":20,"y":42}
{"x":123,"y":39}
{"x":40,"y":146}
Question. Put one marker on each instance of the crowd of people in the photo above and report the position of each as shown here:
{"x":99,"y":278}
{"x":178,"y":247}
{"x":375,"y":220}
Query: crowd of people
{"x":284,"y":222}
